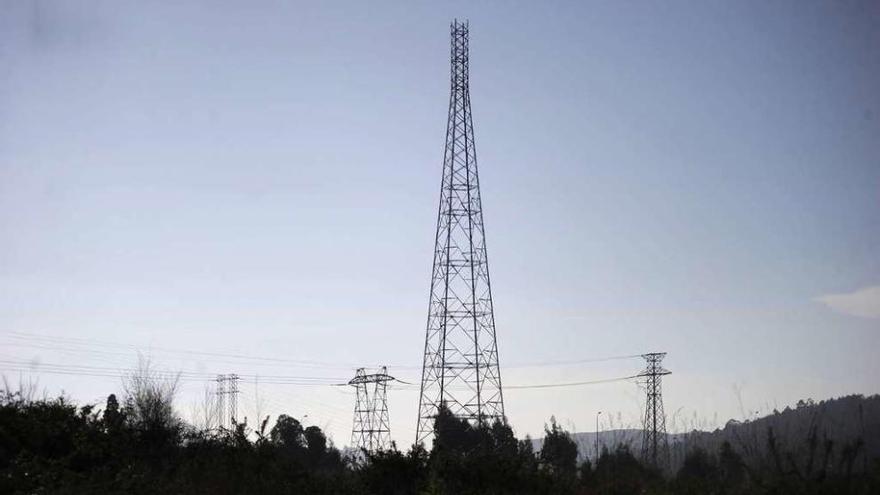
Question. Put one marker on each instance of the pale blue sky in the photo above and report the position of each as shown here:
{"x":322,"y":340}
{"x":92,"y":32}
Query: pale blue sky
{"x":263,"y":176}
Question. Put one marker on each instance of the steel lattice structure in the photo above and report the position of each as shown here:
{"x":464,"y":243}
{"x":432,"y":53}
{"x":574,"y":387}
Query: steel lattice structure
{"x":226,"y":400}
{"x":460,"y":367}
{"x":655,"y":444}
{"x":371,"y":431}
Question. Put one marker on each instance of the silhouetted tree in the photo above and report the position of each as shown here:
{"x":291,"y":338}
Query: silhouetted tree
{"x":391,"y":472}
{"x":698,"y":473}
{"x":287,"y":432}
{"x":53,"y":446}
{"x":731,"y":467}
{"x":559,"y":453}
{"x":618,"y":472}
{"x":316,"y":443}
{"x":585,"y":475}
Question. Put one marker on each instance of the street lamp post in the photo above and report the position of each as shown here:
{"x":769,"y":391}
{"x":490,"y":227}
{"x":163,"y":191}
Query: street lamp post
{"x":597,"y":435}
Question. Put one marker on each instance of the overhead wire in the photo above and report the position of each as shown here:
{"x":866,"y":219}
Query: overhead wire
{"x":279,"y":397}
{"x":75,"y":345}
{"x":106,"y":372}
{"x":101,"y":371}
{"x":570,"y":384}
{"x":56,"y":343}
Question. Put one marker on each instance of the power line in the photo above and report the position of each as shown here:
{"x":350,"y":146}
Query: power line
{"x":98,"y":371}
{"x":92,"y":342}
{"x":572,"y":384}
{"x":82,"y":346}
{"x":573,"y":362}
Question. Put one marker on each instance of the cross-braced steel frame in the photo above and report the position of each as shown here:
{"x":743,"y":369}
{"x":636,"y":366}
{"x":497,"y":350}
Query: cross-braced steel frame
{"x":371,"y":431}
{"x":460,"y":367}
{"x":226,"y":400}
{"x":655,"y":444}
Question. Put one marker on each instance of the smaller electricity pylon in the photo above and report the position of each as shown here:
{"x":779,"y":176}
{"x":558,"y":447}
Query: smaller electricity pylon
{"x":226,"y":401}
{"x":655,"y":444}
{"x":371,"y":431}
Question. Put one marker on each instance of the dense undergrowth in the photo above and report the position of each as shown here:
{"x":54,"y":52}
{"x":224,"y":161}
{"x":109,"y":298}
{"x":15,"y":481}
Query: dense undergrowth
{"x":139,"y":446}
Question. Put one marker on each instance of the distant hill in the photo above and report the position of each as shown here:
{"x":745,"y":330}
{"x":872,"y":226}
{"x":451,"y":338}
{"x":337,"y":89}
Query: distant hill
{"x":848,"y":426}
{"x":608,"y":439}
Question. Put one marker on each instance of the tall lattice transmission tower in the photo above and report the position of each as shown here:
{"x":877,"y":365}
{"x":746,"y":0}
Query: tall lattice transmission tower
{"x":655,"y":444}
{"x":460,"y":367}
{"x":371,"y":430}
{"x":226,"y":400}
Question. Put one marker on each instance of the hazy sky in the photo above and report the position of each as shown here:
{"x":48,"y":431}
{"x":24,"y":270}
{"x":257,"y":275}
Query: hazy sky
{"x":262,"y":178}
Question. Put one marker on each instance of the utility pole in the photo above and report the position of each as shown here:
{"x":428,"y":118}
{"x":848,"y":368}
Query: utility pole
{"x":654,"y":440}
{"x":460,"y":369}
{"x":371,"y":431}
{"x":597,"y":435}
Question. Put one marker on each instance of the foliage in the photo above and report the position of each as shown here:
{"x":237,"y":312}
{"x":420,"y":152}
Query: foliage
{"x":558,"y":456}
{"x":138,"y":446}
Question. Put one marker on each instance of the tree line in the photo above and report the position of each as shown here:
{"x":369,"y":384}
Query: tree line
{"x":139,"y":445}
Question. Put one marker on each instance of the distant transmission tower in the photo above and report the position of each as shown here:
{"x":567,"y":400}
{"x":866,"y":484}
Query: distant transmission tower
{"x":226,"y":400}
{"x":460,"y":367}
{"x":371,"y":430}
{"x":654,"y":441}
